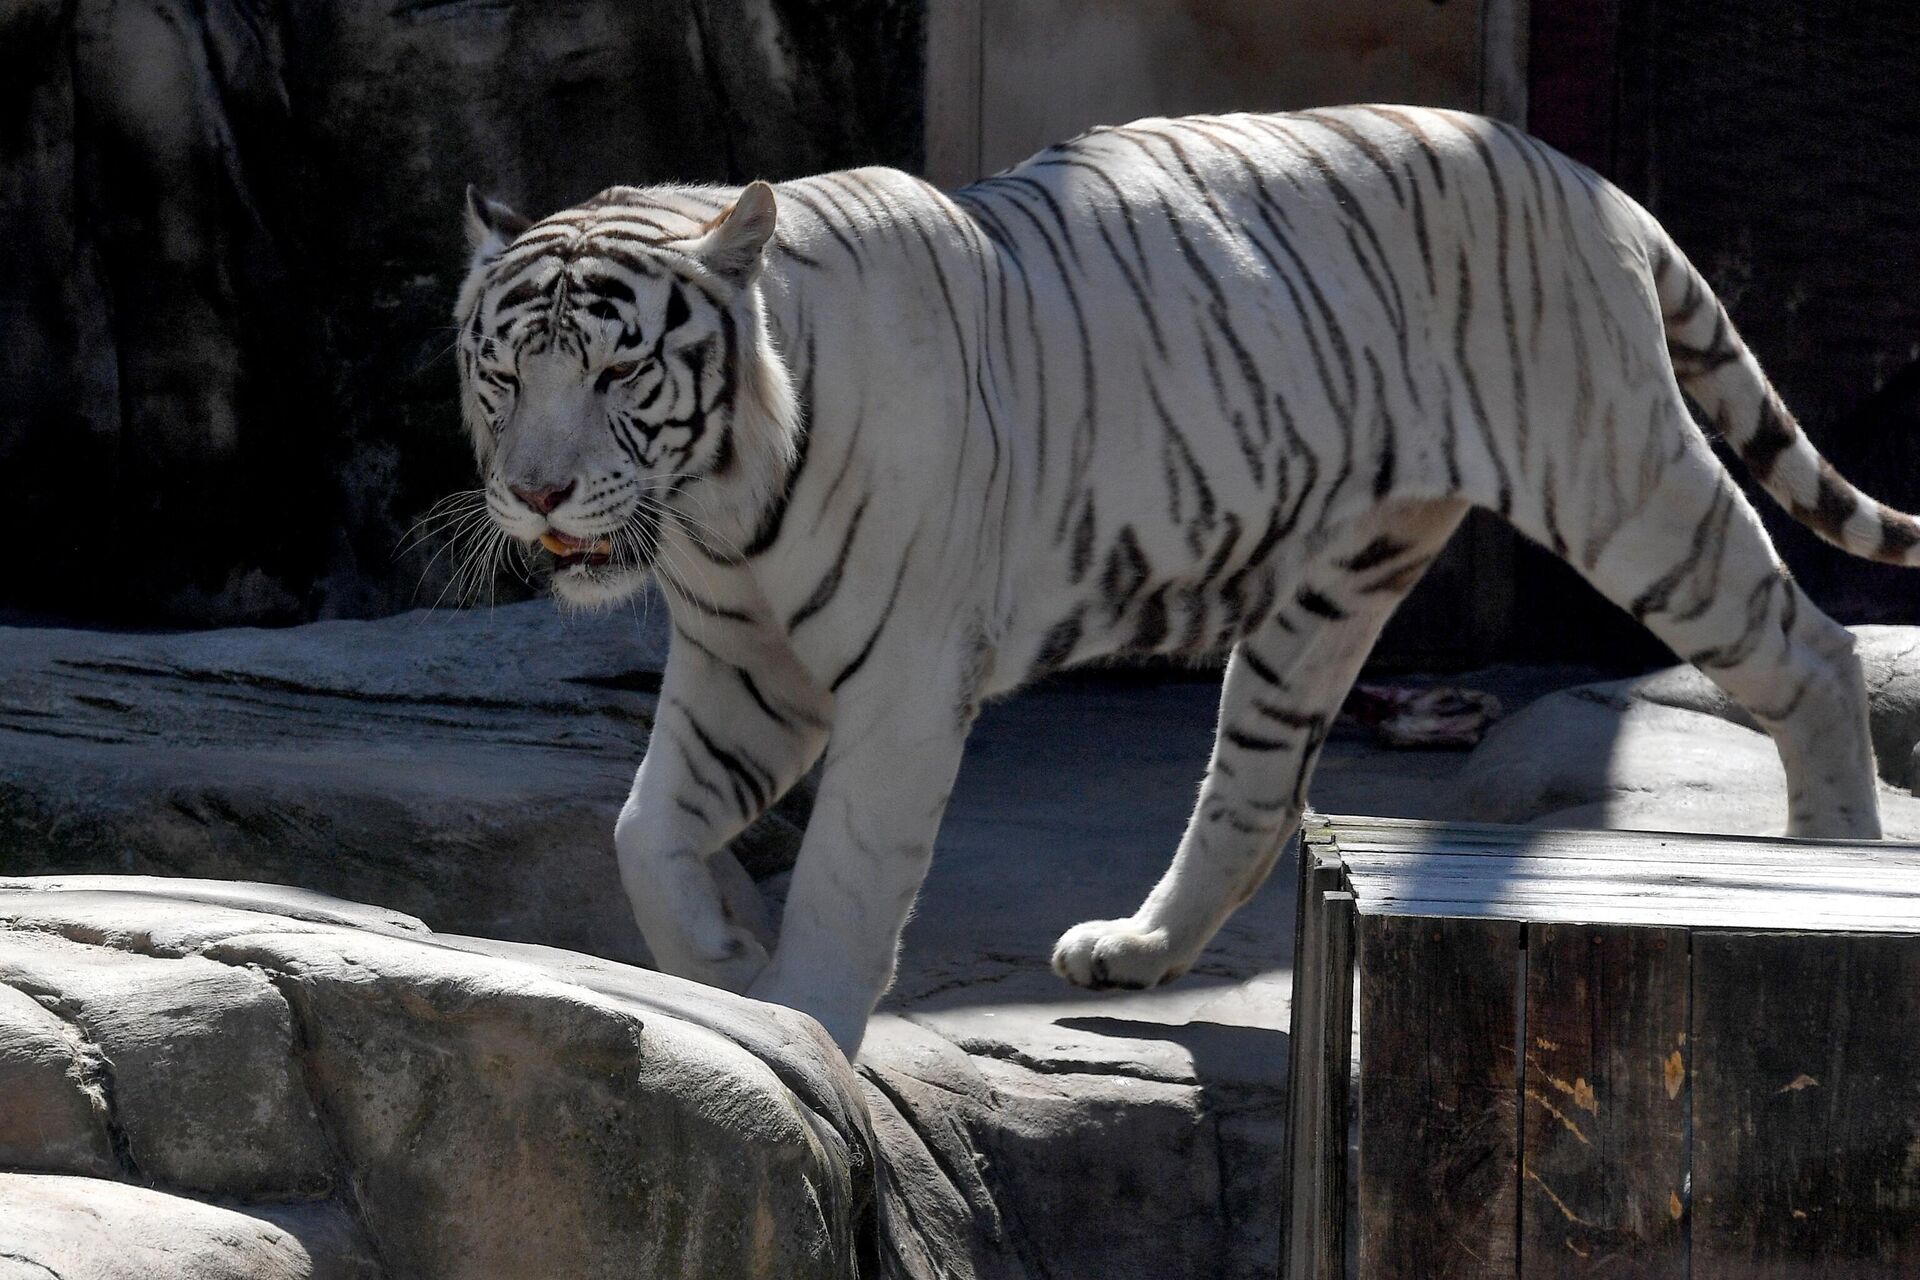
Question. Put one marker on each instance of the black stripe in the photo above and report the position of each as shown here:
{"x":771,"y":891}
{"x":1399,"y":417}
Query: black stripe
{"x":746,"y":772}
{"x":1318,"y":605}
{"x":1248,"y":742}
{"x":1082,"y":555}
{"x":1059,"y":644}
{"x":825,"y":589}
{"x":767,"y":529}
{"x":701,"y":605}
{"x":1124,"y":572}
{"x":759,"y":700}
{"x":608,"y":286}
{"x":1772,"y":437}
{"x":1374,"y":554}
{"x":1285,"y":715}
{"x":1420,"y":140}
{"x":1258,"y":665}
{"x":866,"y":650}
{"x":1656,"y":598}
{"x":1463,"y":318}
{"x":1151,"y":630}
{"x":1365,"y":145}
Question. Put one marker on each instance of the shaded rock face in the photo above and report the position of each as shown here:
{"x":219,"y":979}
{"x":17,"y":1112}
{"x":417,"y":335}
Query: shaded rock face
{"x":230,"y":239}
{"x":1797,"y":235}
{"x":465,"y":767}
{"x":366,"y":1098}
{"x":213,"y":1079}
{"x":1669,"y":751}
{"x":84,"y":1229}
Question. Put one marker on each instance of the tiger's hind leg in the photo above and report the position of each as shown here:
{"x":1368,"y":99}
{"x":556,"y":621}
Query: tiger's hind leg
{"x":1692,"y":562}
{"x":1284,"y":685}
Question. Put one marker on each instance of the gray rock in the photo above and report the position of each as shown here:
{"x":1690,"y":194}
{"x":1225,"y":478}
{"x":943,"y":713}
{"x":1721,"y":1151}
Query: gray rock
{"x":171,"y":1038}
{"x":87,"y":1229}
{"x":1669,"y":751}
{"x":56,"y":1113}
{"x":459,"y":1109}
{"x":1125,"y":1135}
{"x":455,"y":1106}
{"x":465,"y":767}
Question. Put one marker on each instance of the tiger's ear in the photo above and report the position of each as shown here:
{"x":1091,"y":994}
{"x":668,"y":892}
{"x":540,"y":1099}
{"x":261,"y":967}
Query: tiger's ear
{"x":491,"y":226}
{"x":733,"y":245}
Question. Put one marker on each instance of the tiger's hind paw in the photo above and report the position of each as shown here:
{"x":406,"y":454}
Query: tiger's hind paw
{"x":1103,"y":954}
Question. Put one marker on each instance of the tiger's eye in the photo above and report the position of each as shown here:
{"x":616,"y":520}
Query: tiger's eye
{"x":621,"y":372}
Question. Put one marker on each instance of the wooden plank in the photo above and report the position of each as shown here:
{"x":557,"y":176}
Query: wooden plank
{"x":1439,"y":1115}
{"x":1360,"y":828}
{"x":1806,"y":1106}
{"x":1848,"y":874}
{"x":1864,"y":910}
{"x":1336,"y":1062}
{"x":1877,"y":898}
{"x":1400,"y":866}
{"x":1545,"y":907}
{"x":1320,"y":1048}
{"x":1604,"y":1110}
{"x":1361,"y":835}
{"x":1579,"y":845}
{"x":1306,"y":1085}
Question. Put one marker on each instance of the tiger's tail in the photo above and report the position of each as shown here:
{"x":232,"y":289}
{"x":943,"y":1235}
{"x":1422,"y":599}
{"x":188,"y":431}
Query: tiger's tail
{"x":1716,"y":369}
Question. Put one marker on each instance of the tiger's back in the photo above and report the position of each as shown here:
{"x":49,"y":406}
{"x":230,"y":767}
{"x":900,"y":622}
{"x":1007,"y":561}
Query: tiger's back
{"x":1254,"y":329}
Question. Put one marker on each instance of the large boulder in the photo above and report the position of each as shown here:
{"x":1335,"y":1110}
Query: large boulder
{"x":464,"y":766}
{"x":88,"y":1229}
{"x":441,"y":1106}
{"x":215,"y":1079}
{"x":1669,"y":751}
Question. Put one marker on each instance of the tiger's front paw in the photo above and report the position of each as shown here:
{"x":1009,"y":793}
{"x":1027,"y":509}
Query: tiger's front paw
{"x":1115,"y":953}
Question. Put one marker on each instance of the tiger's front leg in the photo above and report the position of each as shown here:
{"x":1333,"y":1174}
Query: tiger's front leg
{"x":897,"y":740}
{"x":727,"y":743}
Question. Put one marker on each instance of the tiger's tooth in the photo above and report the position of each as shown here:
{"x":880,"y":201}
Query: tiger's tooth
{"x":604,"y":547}
{"x":551,"y":541}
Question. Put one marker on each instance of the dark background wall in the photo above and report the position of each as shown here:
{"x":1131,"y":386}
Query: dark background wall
{"x":229,"y":237}
{"x":1779,"y":142}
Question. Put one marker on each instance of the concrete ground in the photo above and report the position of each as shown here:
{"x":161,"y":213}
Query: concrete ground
{"x":1071,"y":800}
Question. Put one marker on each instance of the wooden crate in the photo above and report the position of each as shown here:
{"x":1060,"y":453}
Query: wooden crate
{"x":1605,"y":1053}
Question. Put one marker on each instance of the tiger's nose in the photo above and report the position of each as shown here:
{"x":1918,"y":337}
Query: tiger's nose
{"x":543,"y":500}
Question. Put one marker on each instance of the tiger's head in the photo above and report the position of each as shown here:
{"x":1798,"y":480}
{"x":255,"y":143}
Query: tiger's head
{"x":620,"y":385}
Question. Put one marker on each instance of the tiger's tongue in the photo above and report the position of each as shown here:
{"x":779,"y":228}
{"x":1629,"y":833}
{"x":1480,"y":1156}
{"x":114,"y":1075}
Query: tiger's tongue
{"x":561,"y":545}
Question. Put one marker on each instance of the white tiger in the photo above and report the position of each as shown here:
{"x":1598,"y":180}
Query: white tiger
{"x":1184,"y":386}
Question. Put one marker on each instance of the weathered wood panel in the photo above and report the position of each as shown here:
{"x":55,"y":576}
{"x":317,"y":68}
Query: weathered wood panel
{"x":1320,"y":1048}
{"x":1403,"y":867}
{"x":1806,"y":1106}
{"x":1439,"y":1113}
{"x":1336,"y":1061}
{"x":1358,"y":835}
{"x":1603,"y":1120}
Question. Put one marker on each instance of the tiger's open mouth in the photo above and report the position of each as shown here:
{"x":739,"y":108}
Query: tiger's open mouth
{"x":569,"y":551}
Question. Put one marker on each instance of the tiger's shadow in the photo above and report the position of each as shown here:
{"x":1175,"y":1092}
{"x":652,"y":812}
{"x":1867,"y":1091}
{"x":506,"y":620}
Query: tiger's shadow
{"x":1227,"y":1057}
